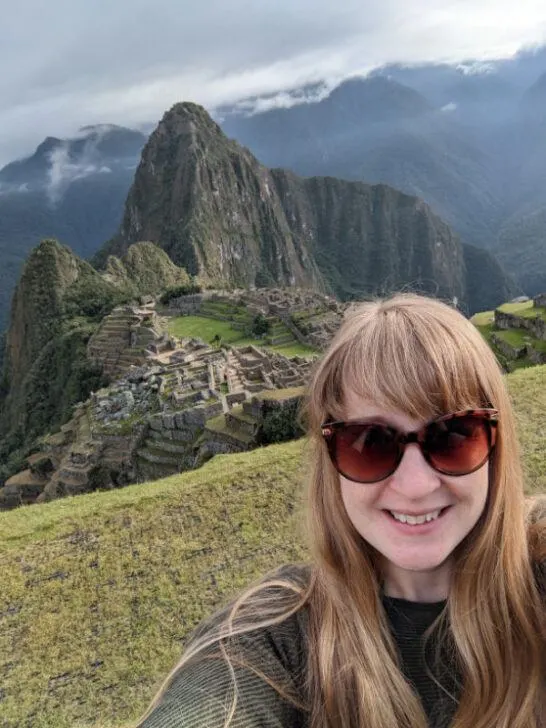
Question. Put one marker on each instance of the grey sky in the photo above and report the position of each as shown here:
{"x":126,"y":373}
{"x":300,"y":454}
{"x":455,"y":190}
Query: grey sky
{"x":67,"y":63}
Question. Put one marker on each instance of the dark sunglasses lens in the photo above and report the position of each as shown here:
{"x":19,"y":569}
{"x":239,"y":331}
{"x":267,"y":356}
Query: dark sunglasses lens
{"x":458,"y":446}
{"x":365,"y":453}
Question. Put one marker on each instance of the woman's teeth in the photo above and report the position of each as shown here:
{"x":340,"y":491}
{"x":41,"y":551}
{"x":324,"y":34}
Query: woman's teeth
{"x":416,"y":520}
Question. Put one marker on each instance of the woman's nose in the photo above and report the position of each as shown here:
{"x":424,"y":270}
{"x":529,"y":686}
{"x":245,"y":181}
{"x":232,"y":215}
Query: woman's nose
{"x":414,"y":477}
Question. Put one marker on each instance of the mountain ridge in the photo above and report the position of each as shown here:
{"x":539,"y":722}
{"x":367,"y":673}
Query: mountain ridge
{"x":69,"y":189}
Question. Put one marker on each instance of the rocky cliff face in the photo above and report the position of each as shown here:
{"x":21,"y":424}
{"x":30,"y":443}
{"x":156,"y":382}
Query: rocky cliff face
{"x":217,"y":211}
{"x":371,"y":238}
{"x":211,"y":206}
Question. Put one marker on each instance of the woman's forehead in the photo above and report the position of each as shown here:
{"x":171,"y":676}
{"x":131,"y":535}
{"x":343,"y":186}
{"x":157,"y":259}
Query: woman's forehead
{"x":357,"y":407}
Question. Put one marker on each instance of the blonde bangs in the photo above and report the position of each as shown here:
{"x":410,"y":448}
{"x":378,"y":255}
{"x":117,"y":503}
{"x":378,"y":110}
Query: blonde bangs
{"x":424,"y":361}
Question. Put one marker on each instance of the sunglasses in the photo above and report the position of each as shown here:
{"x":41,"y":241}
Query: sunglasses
{"x":455,"y":444}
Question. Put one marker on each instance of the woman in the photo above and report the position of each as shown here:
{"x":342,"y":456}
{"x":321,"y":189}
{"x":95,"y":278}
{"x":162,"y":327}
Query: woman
{"x":423,"y":604}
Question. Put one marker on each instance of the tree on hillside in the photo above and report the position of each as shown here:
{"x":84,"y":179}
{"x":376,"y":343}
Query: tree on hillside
{"x":260,"y":326}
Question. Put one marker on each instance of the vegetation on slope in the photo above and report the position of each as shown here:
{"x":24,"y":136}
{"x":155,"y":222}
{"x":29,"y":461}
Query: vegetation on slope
{"x":57,"y":305}
{"x":100,"y":591}
{"x":145,"y":269}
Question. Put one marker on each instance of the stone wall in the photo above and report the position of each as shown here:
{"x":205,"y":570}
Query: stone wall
{"x":188,"y":305}
{"x":535,"y":326}
{"x":535,"y":356}
{"x":124,"y":337}
{"x":509,"y":351}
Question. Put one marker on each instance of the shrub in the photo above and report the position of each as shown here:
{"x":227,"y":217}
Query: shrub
{"x":92,"y":298}
{"x":280,"y":422}
{"x":260,"y":326}
{"x":183,"y":290}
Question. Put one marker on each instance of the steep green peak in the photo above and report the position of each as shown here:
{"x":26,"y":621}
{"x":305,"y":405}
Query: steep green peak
{"x":188,"y":126}
{"x":186,"y":117}
{"x":144,"y":269}
{"x":39,"y":306}
{"x":51,"y":266}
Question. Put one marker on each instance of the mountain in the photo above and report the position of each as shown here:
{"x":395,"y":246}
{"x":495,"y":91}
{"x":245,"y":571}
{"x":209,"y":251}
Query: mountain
{"x":210,"y":205}
{"x":468,"y":139}
{"x":470,"y":88}
{"x":51,"y":319}
{"x":71,"y":189}
{"x":58,"y":304}
{"x":378,"y":130}
{"x":533,"y":102}
{"x":356,"y":111}
{"x":223,"y":216}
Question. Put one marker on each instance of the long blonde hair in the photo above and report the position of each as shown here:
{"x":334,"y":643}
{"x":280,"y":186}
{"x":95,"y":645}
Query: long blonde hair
{"x":422,"y":357}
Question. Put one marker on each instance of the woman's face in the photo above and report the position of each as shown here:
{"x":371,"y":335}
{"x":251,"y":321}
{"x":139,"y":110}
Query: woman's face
{"x":415,"y":488}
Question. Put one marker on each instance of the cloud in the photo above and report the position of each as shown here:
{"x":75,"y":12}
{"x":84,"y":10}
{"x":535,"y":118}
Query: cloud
{"x":475,"y":68}
{"x":10,"y":189}
{"x":64,"y":169}
{"x":126,"y":62}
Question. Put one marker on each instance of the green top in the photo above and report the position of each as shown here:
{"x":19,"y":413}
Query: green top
{"x":200,"y":694}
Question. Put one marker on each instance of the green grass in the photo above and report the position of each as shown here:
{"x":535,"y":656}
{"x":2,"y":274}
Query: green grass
{"x":516,"y":308}
{"x":295,"y":349}
{"x":218,"y":424}
{"x":528,"y":389}
{"x":206,"y":329}
{"x":525,"y":310}
{"x":484,"y":318}
{"x":521,"y":337}
{"x":515,"y":337}
{"x":535,"y":312}
{"x":486,"y":330}
{"x":100,"y":591}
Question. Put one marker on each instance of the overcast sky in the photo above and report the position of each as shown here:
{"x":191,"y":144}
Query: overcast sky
{"x":67,"y":63}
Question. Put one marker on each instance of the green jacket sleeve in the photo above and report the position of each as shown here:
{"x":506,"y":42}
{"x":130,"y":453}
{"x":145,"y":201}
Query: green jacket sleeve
{"x":200,"y":694}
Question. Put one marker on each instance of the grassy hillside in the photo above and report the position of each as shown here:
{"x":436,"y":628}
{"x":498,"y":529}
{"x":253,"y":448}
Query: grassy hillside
{"x":99,"y":591}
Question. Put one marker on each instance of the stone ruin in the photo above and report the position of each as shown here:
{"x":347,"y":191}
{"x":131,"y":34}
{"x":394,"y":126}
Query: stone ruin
{"x":171,"y":403}
{"x":169,"y":414}
{"x":311,"y":317}
{"x":128,"y":336}
{"x":253,"y":369}
{"x":534,"y":326}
